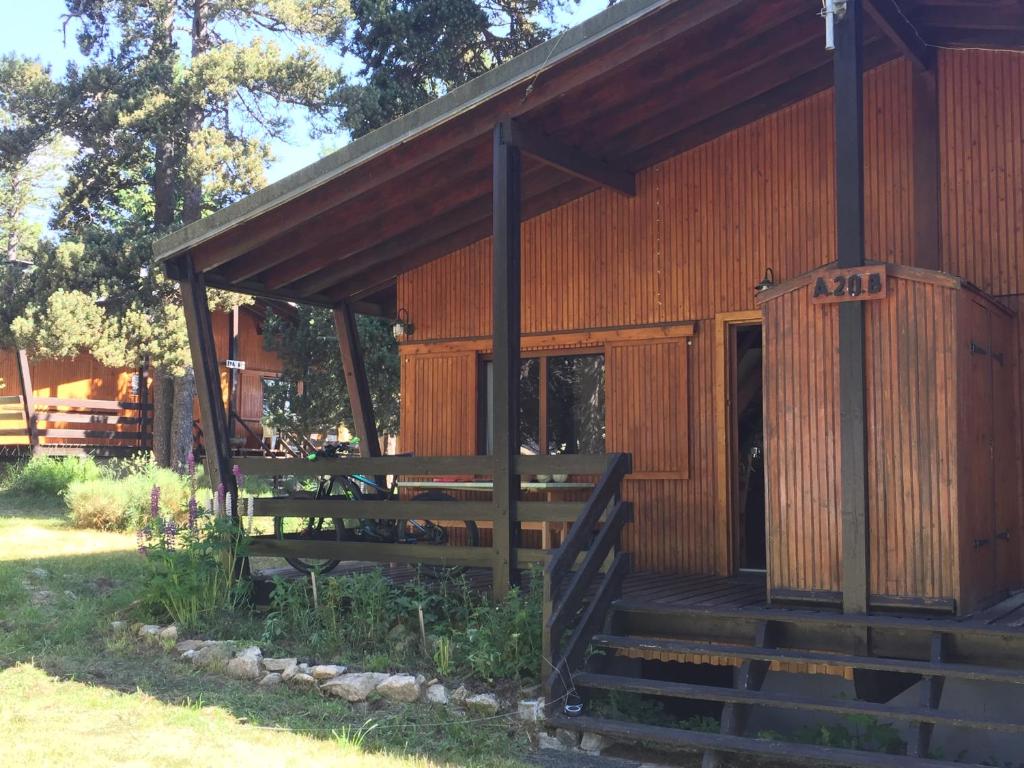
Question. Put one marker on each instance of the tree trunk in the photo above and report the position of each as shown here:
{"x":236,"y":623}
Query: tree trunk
{"x":181,"y":434}
{"x":163,"y":405}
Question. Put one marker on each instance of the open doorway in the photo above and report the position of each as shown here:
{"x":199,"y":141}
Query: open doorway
{"x":747,"y":470}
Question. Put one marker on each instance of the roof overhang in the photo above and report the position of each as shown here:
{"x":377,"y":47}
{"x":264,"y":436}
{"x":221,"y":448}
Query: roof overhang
{"x":644,"y":80}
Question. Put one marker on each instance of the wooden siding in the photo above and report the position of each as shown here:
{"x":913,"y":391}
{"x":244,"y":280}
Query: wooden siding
{"x":700,"y":233}
{"x":439,"y":404}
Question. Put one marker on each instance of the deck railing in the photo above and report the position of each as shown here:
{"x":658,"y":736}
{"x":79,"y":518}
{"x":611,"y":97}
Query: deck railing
{"x":76,"y":423}
{"x":576,"y":601}
{"x":441,"y":511}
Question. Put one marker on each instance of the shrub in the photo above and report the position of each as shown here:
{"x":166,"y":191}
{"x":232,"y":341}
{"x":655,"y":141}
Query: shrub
{"x":503,"y":639}
{"x":122,"y":503}
{"x":50,"y":476}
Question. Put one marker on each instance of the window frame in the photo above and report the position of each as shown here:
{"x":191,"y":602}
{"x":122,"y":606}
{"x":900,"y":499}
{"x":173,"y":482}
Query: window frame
{"x":484,"y":359}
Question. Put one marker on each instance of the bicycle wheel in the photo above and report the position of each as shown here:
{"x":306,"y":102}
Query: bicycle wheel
{"x":319,"y":529}
{"x":423,"y":531}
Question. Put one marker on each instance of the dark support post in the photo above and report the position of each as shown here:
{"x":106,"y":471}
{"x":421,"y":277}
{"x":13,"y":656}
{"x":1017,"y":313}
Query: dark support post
{"x":355,"y":380}
{"x":505,"y":408}
{"x":207,"y":372}
{"x":27,"y":401}
{"x":925,"y":138}
{"x":233,"y":320}
{"x":145,"y":423}
{"x":849,"y":122}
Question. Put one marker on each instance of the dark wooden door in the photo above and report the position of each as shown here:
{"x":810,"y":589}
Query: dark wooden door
{"x":1007,"y":533}
{"x":977,"y":500}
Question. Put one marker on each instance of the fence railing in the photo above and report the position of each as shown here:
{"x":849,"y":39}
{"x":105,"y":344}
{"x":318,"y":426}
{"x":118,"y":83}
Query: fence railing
{"x":438,"y":511}
{"x":76,"y":422}
{"x":576,"y":601}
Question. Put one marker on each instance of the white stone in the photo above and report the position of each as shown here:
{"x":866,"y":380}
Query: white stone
{"x":304,"y":667}
{"x":483,"y":704}
{"x":252,"y":652}
{"x":212,"y":655}
{"x":570,"y":739}
{"x":149,"y":631}
{"x":326,"y":671}
{"x":191,"y":645}
{"x":40,"y":573}
{"x":290,"y":672}
{"x":594,"y":743}
{"x":278,"y":665}
{"x":168,"y":634}
{"x":437,"y":694}
{"x":271,"y":678}
{"x":547,"y":741}
{"x":244,"y":667}
{"x":459,"y":695}
{"x":118,"y":626}
{"x":189,"y":654}
{"x":354,"y":686}
{"x":301,"y":678}
{"x":531,"y":710}
{"x":401,"y":688}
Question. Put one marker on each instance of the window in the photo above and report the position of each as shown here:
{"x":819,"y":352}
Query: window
{"x":561,"y":404}
{"x":277,"y":395}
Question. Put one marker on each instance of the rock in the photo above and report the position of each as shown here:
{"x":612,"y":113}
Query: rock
{"x":244,"y":667}
{"x":271,"y":678}
{"x":459,"y":696}
{"x":483,"y":704}
{"x":326,"y":671}
{"x":594,"y":743}
{"x":119,"y":627}
{"x":304,"y":667}
{"x":531,"y":710}
{"x":355,"y":686}
{"x":301,"y":678}
{"x":189,"y":654}
{"x":437,"y":694}
{"x":278,"y":665}
{"x":212,"y":655}
{"x":149,"y":632}
{"x":41,"y":597}
{"x":39,"y":573}
{"x":290,"y":672}
{"x":168,"y":634}
{"x":190,"y":645}
{"x":571,"y":739}
{"x":251,"y":652}
{"x":401,"y":688}
{"x":530,"y":692}
{"x":547,"y":741}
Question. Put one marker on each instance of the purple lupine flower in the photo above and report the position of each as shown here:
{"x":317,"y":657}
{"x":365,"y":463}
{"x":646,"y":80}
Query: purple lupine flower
{"x":221,"y":493}
{"x":170,"y":535}
{"x":191,"y":463}
{"x":140,"y":538}
{"x":193,"y":512}
{"x":154,"y":502}
{"x":239,"y":477}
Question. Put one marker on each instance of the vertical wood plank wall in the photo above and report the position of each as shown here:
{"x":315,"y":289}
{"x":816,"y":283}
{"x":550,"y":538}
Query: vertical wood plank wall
{"x":699,"y":234}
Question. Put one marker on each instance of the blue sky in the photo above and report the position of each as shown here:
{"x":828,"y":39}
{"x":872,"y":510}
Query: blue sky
{"x":37,"y":33}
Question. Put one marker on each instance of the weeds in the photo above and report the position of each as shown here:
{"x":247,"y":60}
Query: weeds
{"x":48,"y":476}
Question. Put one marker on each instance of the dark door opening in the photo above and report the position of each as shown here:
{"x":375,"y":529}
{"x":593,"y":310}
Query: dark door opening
{"x":748,"y":459}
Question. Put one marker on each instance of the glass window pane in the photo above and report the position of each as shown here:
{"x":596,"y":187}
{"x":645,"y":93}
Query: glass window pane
{"x":576,"y":404}
{"x":529,"y":406}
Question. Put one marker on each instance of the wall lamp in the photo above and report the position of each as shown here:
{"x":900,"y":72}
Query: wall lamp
{"x":766,"y":282}
{"x":402,"y":327}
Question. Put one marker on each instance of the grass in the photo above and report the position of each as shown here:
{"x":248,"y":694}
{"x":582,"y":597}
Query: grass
{"x":101,"y":700}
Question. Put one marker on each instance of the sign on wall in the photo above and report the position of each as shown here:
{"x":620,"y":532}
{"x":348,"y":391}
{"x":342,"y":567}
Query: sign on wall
{"x":235,"y":365}
{"x":855,"y":284}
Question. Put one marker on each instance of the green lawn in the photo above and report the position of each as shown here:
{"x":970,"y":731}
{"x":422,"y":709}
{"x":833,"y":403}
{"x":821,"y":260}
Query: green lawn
{"x":71,"y":693}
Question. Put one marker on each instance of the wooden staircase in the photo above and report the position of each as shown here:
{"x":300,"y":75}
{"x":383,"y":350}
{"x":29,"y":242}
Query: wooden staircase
{"x":754,"y":662}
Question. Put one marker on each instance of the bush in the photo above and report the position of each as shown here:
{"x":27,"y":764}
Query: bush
{"x":122,"y":503}
{"x":52,"y":476}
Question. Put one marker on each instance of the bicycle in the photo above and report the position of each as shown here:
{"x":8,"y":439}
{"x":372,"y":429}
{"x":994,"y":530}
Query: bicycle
{"x":357,"y":487}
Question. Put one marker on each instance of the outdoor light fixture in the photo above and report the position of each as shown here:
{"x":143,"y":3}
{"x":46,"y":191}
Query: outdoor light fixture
{"x":830,"y":11}
{"x":402,"y":326}
{"x":766,"y":282}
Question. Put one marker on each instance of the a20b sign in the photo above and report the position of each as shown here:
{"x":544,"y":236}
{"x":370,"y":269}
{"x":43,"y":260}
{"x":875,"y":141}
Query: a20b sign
{"x":856,"y":284}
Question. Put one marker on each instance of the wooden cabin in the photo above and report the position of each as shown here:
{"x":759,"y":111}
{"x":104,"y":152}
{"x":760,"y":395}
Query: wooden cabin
{"x":80,"y":406}
{"x":760,"y":297}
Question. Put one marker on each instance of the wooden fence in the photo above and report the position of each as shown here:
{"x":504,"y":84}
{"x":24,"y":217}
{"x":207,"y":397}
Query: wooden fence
{"x":66,"y":426}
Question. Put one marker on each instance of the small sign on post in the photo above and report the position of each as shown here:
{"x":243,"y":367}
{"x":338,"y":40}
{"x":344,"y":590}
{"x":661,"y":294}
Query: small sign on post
{"x":235,"y":365}
{"x":855,"y":284}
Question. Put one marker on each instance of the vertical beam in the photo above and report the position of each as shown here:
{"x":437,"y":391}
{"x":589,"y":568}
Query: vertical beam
{"x":506,"y":329}
{"x":207,"y":373}
{"x":924,"y":125}
{"x":233,"y":375}
{"x":849,"y":132}
{"x":28,"y":401}
{"x":355,"y":380}
{"x":145,"y":422}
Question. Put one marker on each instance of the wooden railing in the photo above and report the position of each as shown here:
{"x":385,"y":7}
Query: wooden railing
{"x":443,"y":511}
{"x":76,"y":422}
{"x":576,"y":601}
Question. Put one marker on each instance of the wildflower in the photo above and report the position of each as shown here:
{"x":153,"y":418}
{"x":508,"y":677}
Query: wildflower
{"x":170,"y":535}
{"x":154,"y":502}
{"x":140,"y":538}
{"x":239,"y":477}
{"x":191,"y":464}
{"x":221,"y":494}
{"x":193,"y":512}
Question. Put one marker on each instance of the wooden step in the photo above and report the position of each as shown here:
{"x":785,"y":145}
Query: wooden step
{"x":781,"y":701}
{"x":666,"y":645}
{"x":780,"y":751}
